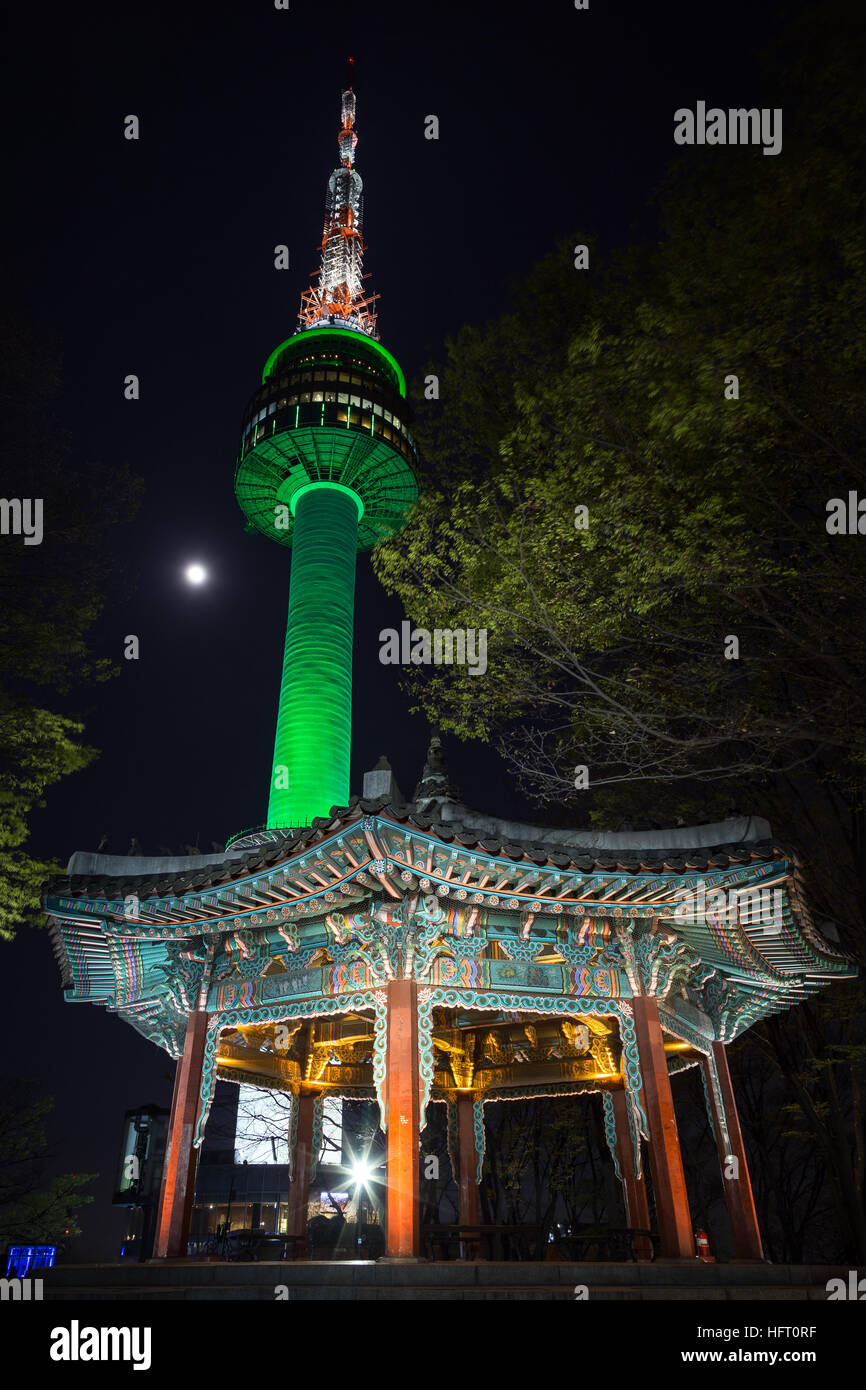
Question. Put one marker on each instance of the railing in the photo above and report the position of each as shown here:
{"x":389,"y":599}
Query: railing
{"x":507,"y":1242}
{"x":513,"y":1242}
{"x":618,"y":1243}
{"x":244,"y":1245}
{"x":439,"y":1242}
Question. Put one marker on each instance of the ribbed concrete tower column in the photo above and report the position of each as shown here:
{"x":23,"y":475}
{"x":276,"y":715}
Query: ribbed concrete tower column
{"x":312,"y":747}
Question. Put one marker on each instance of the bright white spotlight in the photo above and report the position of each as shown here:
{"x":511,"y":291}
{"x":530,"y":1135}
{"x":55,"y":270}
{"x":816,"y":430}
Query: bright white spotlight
{"x":195,"y":574}
{"x":361,"y":1171}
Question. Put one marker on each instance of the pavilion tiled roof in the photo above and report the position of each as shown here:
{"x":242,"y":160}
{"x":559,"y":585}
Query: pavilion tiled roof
{"x":285,"y":846}
{"x":269,"y":876}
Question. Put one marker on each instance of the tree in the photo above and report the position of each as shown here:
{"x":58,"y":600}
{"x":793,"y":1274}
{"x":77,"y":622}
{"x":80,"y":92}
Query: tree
{"x":546,"y":1161}
{"x":51,"y":595}
{"x":796,"y":1191}
{"x":32,"y":1210}
{"x":650,"y":555}
{"x":634,"y":483}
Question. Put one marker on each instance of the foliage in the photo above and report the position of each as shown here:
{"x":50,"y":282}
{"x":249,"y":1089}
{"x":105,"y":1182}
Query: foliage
{"x":610,"y":645}
{"x":30,"y":1208}
{"x":706,"y":515}
{"x":51,"y":596}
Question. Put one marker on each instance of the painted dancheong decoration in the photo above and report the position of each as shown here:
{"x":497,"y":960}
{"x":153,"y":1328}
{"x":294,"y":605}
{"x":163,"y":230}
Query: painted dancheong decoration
{"x":419,"y":953}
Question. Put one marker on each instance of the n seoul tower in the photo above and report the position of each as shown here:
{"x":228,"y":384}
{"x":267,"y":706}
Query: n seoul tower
{"x":327,"y":466}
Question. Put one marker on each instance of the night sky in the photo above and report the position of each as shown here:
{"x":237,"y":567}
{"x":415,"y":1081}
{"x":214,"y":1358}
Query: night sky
{"x":156,"y":258}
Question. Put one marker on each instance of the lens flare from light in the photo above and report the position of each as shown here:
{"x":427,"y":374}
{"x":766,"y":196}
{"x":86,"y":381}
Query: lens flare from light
{"x":361,"y":1171}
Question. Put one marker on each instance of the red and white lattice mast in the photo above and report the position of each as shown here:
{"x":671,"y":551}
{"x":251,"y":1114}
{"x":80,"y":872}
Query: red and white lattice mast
{"x":339,"y":296}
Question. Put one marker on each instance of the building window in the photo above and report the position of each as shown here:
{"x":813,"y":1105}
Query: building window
{"x":342,"y":398}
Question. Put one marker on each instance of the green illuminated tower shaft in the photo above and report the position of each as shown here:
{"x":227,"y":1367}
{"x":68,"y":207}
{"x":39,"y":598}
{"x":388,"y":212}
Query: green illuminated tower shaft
{"x":327,"y":465}
{"x":313,"y":742}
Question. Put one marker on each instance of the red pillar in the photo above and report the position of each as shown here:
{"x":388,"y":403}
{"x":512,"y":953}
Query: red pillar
{"x":403,"y":1113}
{"x":467,"y":1162}
{"x":299,"y":1188}
{"x":738,"y":1190}
{"x":676,"y":1240}
{"x":178,"y":1174}
{"x":469,"y":1208}
{"x":634,"y":1187}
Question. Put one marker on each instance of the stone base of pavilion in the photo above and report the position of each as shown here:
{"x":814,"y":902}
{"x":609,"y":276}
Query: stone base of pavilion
{"x":346,"y":1280}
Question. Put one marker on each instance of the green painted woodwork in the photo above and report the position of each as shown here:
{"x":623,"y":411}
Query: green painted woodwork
{"x":149,"y":966}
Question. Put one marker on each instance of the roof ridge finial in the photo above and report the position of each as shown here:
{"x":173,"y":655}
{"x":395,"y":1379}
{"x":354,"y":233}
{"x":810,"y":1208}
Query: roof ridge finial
{"x":435,"y":780}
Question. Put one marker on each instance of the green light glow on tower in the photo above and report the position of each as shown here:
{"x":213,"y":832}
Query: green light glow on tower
{"x":327,"y":465}
{"x":371,"y":345}
{"x":313,"y":742}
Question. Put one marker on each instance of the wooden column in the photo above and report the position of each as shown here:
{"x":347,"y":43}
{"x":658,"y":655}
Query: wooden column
{"x":738,"y":1191}
{"x":299,"y":1187}
{"x":403,"y":1112}
{"x":467,"y":1163}
{"x":178,"y":1174}
{"x":676,"y":1240}
{"x":634,"y":1187}
{"x":469,"y":1202}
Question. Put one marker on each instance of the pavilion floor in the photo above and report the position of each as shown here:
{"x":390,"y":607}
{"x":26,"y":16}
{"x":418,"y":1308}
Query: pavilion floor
{"x":363,"y":1280}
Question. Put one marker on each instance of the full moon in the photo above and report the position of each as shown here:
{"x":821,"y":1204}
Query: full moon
{"x":195,"y":574}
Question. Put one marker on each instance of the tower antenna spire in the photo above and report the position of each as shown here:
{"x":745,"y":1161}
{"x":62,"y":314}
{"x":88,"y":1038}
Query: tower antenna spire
{"x":338,"y":297}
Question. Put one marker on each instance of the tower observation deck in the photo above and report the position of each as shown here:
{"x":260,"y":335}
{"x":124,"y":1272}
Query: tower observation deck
{"x":327,"y":465}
